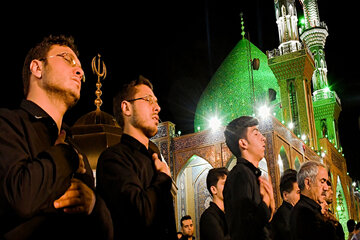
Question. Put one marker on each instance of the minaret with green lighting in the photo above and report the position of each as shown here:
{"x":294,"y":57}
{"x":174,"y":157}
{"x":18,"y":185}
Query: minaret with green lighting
{"x":327,"y":106}
{"x":293,"y":66}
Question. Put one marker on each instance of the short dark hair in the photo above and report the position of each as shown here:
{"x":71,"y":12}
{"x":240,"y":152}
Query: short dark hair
{"x":237,"y":129}
{"x":287,"y":181}
{"x":40,"y":51}
{"x":186,"y":217}
{"x":214,"y":175}
{"x":127,"y":92}
{"x":350,"y":225}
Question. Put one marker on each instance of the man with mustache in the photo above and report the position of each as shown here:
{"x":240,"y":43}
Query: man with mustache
{"x":133,"y":181}
{"x":306,"y":219}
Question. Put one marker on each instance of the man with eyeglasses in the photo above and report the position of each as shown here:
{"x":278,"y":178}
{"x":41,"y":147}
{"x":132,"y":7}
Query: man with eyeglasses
{"x":131,"y":178}
{"x":47,"y":187}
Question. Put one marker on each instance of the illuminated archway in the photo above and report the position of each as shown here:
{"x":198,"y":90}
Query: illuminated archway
{"x":341,"y":208}
{"x":192,"y":196}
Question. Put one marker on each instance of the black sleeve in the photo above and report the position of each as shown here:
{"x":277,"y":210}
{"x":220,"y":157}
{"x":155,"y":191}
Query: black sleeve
{"x":210,"y":228}
{"x":31,"y":183}
{"x":121,"y":188}
{"x":243,"y":215}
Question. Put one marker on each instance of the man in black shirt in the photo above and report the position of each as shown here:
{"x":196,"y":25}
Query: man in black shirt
{"x":212,"y":222}
{"x":248,"y":198}
{"x":306,"y":220}
{"x":133,"y":181}
{"x":47,"y":187}
{"x":290,"y":193}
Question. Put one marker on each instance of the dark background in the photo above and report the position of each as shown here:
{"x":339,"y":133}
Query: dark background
{"x":178,"y":45}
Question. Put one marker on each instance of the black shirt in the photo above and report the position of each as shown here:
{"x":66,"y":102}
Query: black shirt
{"x":307,"y":222}
{"x":138,"y":196}
{"x":213,"y":224}
{"x":246,"y":214}
{"x":280,"y":224}
{"x":34,"y":173}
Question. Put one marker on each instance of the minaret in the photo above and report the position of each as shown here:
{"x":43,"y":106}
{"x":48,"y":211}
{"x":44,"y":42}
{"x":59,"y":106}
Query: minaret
{"x":314,"y":35}
{"x":327,"y":106}
{"x":293,"y":66}
{"x":287,"y":21}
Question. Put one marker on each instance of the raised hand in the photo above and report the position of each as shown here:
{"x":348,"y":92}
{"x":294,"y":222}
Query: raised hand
{"x":160,"y":165}
{"x":79,"y":198}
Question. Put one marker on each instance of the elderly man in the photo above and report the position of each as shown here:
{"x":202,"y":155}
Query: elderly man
{"x":306,"y":220}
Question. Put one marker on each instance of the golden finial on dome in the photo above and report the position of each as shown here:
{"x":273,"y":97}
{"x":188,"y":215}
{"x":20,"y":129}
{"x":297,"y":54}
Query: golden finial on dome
{"x":101,"y":73}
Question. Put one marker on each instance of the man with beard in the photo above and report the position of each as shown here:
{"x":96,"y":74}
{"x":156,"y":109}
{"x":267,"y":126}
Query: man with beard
{"x":47,"y":187}
{"x":306,"y":219}
{"x":133,"y":181}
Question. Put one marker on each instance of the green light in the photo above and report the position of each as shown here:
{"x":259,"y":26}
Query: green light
{"x":302,"y":21}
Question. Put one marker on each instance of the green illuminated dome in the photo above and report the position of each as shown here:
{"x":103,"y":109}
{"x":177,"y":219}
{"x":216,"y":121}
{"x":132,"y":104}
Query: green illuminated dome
{"x":229,"y":93}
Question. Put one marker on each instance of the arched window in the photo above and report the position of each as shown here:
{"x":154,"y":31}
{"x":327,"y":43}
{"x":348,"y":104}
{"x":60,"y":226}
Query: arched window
{"x":192,"y":196}
{"x":283,"y":160}
{"x":341,"y":204}
{"x":297,"y":164}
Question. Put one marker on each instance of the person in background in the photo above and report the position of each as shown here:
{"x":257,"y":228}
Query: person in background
{"x":47,"y":187}
{"x":290,"y":193}
{"x":306,"y":219}
{"x":248,"y":199}
{"x":134,"y":182}
{"x":212,"y":222}
{"x":187,"y":228}
{"x":329,"y":215}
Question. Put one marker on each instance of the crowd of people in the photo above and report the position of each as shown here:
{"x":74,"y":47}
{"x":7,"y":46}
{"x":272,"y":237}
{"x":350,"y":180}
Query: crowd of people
{"x":47,"y":186}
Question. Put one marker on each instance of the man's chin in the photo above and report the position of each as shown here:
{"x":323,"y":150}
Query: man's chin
{"x":150,"y":132}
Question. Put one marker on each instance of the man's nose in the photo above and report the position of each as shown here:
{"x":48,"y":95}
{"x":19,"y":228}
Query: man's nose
{"x":80,"y":73}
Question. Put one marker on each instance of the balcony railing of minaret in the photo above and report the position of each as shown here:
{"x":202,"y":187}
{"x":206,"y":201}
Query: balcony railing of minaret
{"x":321,"y":25}
{"x":286,"y":49}
{"x":325,"y":94}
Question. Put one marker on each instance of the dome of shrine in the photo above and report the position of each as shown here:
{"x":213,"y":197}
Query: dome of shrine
{"x":236,"y":89}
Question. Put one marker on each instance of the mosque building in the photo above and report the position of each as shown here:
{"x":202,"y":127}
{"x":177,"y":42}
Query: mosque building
{"x":286,"y":88}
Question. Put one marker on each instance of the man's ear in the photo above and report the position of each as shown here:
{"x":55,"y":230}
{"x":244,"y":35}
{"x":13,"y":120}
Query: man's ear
{"x":307,"y":183}
{"x":285,"y":195}
{"x":36,"y":68}
{"x":213,"y":190}
{"x":243,"y":143}
{"x":126,"y":108}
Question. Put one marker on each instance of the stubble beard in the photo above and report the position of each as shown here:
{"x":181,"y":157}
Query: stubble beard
{"x":138,"y":123}
{"x":68,"y":97}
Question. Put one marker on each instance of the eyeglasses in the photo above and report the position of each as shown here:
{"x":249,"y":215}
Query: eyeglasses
{"x":69,"y":59}
{"x":150,"y":99}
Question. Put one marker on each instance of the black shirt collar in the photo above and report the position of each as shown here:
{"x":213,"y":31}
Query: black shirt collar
{"x":314,"y":205}
{"x":287,"y":205}
{"x":216,"y":207}
{"x":33,"y":109}
{"x":134,"y":143}
{"x":255,"y":170}
{"x":39,"y":114}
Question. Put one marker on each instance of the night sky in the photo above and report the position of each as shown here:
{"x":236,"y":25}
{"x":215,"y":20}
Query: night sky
{"x":178,"y":45}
